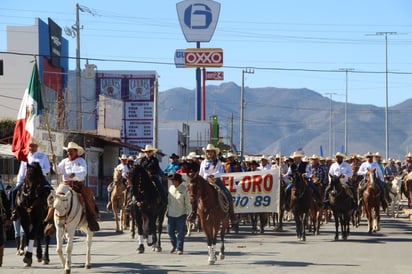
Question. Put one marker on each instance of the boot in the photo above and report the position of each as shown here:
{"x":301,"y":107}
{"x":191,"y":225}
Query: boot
{"x":18,"y":242}
{"x":1,"y":255}
{"x":49,"y":220}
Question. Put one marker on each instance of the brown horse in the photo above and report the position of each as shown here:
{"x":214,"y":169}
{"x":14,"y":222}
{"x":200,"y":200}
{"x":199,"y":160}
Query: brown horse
{"x":315,"y":211}
{"x":407,"y":187}
{"x":210,"y":213}
{"x":371,"y":201}
{"x":300,"y":202}
{"x":117,"y":199}
{"x":341,"y":205}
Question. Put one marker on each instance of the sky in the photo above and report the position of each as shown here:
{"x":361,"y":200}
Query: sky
{"x":289,"y":44}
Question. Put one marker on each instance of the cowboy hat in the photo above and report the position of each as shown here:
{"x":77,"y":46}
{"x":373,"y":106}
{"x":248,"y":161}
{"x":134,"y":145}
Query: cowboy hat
{"x":149,"y":148}
{"x":297,"y":154}
{"x":264,"y":157}
{"x":73,"y":145}
{"x":278,"y":156}
{"x":210,"y":147}
{"x":174,"y":155}
{"x":409,"y":155}
{"x":314,"y":157}
{"x":231,"y":154}
{"x":340,"y":154}
{"x":124,"y":157}
{"x":192,"y":155}
{"x":130,"y":158}
{"x":34,"y":141}
{"x":368,"y":154}
{"x":175,"y":176}
{"x":377,"y":155}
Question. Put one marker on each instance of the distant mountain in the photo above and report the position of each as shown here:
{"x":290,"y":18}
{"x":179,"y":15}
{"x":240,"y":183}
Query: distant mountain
{"x":284,"y":120}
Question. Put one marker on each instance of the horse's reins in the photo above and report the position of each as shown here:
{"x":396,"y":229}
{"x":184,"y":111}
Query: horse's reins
{"x":65,"y":216}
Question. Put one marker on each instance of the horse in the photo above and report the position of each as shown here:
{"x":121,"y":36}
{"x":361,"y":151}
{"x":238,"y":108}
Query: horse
{"x":31,"y":207}
{"x":354,"y":181}
{"x":407,"y":187}
{"x":149,"y":210}
{"x":117,"y":199}
{"x":341,"y":205}
{"x":300,"y":202}
{"x":395,"y":195}
{"x":315,"y":211}
{"x":69,"y":215}
{"x":211,"y":215}
{"x":371,"y":201}
{"x":278,"y":216}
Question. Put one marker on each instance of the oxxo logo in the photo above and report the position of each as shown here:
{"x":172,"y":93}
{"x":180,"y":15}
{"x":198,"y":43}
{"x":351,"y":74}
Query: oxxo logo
{"x":204,"y":57}
{"x":198,"y":19}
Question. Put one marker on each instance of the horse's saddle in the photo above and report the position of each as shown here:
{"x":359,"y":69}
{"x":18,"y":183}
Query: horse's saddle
{"x":221,"y":196}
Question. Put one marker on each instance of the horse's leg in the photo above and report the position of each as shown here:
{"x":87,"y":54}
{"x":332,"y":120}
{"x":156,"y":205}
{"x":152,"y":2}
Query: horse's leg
{"x":46,"y":258}
{"x":69,"y":249}
{"x":39,"y":250}
{"x":304,"y":220}
{"x":89,"y":239}
{"x":139,"y":224}
{"x":225,"y":225}
{"x":115,"y":214}
{"x":59,"y":243}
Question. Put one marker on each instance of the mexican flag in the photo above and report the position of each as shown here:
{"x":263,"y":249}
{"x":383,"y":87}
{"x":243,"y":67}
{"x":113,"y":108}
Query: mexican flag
{"x":31,"y":106}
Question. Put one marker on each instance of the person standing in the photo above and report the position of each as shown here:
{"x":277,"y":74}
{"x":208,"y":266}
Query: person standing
{"x":5,"y":215}
{"x":174,"y":164}
{"x":74,"y":170}
{"x":178,"y":207}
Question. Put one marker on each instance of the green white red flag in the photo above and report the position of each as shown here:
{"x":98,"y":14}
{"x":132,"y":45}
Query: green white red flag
{"x":31,"y":106}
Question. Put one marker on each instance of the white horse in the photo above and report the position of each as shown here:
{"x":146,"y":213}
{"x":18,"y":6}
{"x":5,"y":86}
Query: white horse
{"x":69,"y":215}
{"x":395,"y":195}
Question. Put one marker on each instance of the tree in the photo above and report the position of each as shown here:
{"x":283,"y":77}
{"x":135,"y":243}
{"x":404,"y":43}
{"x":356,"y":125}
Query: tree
{"x":6,"y":130}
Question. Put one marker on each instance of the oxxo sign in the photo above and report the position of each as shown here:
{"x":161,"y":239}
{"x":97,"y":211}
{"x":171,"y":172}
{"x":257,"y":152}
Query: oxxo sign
{"x":198,"y":19}
{"x":198,"y":57}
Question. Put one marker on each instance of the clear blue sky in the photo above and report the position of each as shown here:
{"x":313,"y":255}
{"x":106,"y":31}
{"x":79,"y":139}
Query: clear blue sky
{"x":288,"y":43}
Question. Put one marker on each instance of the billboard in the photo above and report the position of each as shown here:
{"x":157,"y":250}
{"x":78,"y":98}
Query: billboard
{"x":198,"y":19}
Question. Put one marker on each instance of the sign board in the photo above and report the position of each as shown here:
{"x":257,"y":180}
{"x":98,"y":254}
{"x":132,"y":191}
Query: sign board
{"x":203,"y":57}
{"x":180,"y":58}
{"x":198,"y":19}
{"x":214,"y":75}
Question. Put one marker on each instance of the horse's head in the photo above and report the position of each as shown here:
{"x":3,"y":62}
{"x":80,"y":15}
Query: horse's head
{"x":61,"y":200}
{"x":142,"y":186}
{"x":370,"y":177}
{"x":193,"y":182}
{"x":117,"y":175}
{"x":34,"y":174}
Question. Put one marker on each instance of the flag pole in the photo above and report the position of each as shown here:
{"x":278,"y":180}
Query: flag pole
{"x":46,"y":120}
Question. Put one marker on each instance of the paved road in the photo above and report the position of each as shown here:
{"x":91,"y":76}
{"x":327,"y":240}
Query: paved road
{"x":273,"y":252}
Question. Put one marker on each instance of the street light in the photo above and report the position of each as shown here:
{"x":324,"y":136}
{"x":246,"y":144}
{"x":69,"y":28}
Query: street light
{"x":330,"y":122}
{"x":386,"y":33}
{"x":346,"y":108}
{"x":242,"y":109}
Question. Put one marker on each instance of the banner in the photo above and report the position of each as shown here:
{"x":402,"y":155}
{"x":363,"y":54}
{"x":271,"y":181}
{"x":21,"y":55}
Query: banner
{"x":255,"y":191}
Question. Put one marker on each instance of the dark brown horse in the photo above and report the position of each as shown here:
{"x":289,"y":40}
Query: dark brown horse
{"x":212,"y":216}
{"x":148,"y":208}
{"x":372,"y":201}
{"x":300,"y":202}
{"x":31,"y":207}
{"x":342,"y":207}
{"x":355,"y":182}
{"x":315,"y":210}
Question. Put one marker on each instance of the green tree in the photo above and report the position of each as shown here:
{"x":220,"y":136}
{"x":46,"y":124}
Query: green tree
{"x":6,"y":130}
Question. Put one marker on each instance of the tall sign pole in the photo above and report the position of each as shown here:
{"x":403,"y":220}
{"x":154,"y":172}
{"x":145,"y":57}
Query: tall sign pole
{"x":198,"y":20}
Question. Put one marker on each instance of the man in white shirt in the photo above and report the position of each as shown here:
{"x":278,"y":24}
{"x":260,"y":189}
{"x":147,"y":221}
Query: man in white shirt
{"x":34,"y":156}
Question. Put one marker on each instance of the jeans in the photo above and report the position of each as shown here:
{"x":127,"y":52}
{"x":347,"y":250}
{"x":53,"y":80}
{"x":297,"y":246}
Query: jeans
{"x":18,"y":229}
{"x":176,"y":228}
{"x":224,"y":188}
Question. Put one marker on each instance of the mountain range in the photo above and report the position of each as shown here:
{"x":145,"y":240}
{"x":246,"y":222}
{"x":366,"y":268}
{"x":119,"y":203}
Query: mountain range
{"x":280,"y":120}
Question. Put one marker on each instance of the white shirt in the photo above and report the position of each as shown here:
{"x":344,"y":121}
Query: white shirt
{"x":363,"y":169}
{"x":39,"y":157}
{"x":78,"y":166}
{"x":124,"y":169}
{"x":337,"y":169}
{"x":207,"y":168}
{"x":266,"y":167}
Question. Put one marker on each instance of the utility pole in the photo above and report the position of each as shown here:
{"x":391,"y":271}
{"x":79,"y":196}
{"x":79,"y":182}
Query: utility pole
{"x":346,"y":107}
{"x":330,"y":121}
{"x":386,"y":33}
{"x":242,"y":110}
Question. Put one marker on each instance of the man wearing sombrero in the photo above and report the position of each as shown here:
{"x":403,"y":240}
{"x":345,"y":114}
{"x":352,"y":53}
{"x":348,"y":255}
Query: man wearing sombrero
{"x":150,"y":163}
{"x":363,"y":169}
{"x":73,"y":170}
{"x":123,"y":167}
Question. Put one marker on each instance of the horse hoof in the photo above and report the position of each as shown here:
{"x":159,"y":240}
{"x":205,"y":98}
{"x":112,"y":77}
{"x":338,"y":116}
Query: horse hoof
{"x":140,"y":249}
{"x":87,"y":266}
{"x":211,"y":261}
{"x":27,"y":261}
{"x":67,"y":271}
{"x":46,"y":262}
{"x":222,"y":256}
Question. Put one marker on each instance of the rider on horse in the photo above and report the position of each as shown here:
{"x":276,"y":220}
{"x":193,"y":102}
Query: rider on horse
{"x":343,"y":170}
{"x":74,"y":170}
{"x":151,"y":164}
{"x":124,"y":168}
{"x":363,"y":169}
{"x":210,"y":167}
